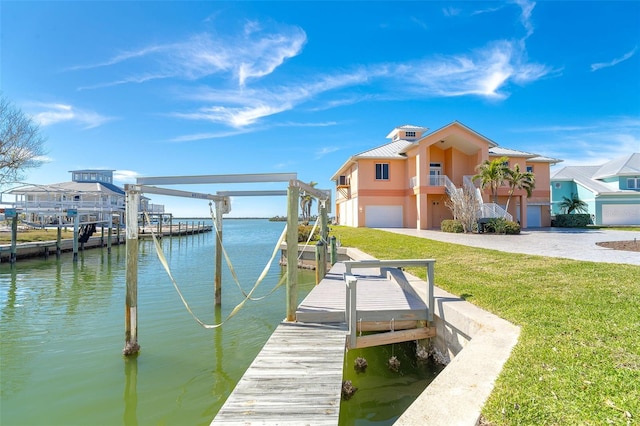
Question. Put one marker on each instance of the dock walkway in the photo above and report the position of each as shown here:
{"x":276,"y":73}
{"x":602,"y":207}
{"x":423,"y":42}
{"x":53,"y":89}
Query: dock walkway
{"x":297,"y":377}
{"x":295,"y":380}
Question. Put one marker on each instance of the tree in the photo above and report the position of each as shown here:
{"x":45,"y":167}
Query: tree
{"x":573,"y":204}
{"x":517,"y":179}
{"x":464,"y":204}
{"x":21,"y":144}
{"x":492,"y":174}
{"x":306,"y":201}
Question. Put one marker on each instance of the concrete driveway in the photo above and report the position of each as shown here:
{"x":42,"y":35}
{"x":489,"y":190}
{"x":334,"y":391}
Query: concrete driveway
{"x":579,"y":244}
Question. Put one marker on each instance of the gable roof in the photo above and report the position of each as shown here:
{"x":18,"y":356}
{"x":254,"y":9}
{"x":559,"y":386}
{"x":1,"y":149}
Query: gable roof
{"x":628,"y":165}
{"x":591,"y":177}
{"x":583,"y":175}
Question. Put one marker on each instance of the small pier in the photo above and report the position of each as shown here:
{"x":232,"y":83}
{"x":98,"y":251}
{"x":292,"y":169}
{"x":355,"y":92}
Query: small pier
{"x":297,"y":377}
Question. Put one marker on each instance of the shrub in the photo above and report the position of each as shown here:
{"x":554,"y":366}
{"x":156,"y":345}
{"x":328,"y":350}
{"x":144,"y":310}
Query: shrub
{"x":500,"y":225}
{"x":304,"y":231}
{"x":572,"y":220}
{"x":450,"y":225}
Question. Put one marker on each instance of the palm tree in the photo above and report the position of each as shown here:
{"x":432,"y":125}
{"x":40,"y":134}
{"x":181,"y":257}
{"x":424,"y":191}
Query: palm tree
{"x":306,"y":201}
{"x":573,"y":204}
{"x":519,"y":180}
{"x":492,"y":174}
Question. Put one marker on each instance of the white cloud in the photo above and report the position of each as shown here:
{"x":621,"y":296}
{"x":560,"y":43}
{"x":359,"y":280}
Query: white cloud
{"x":125,"y":176}
{"x":48,"y":114}
{"x":326,"y":150}
{"x":484,"y":72}
{"x":600,"y":65}
{"x":253,"y":53}
{"x":591,"y":144}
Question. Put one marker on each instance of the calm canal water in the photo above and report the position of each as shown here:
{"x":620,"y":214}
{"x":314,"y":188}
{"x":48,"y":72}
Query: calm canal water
{"x":62,"y":333}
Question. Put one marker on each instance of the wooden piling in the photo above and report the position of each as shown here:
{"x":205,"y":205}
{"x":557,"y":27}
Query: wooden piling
{"x":131,"y":345}
{"x":321,"y":261}
{"x":218,"y":277}
{"x":76,"y":228}
{"x":14,"y":239}
{"x":59,"y":242}
{"x":333,"y":250}
{"x":293,"y":197}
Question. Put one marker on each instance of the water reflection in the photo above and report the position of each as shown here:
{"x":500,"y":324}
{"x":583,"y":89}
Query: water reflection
{"x":130,"y":390}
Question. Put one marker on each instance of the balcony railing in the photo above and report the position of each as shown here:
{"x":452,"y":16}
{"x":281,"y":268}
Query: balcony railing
{"x":440,"y":180}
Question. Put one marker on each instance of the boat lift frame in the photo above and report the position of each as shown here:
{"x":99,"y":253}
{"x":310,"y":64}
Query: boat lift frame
{"x":222,"y":206}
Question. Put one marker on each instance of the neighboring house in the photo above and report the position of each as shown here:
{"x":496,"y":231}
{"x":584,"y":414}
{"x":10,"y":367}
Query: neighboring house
{"x":404,"y":183}
{"x":91,"y":193}
{"x":611,"y":190}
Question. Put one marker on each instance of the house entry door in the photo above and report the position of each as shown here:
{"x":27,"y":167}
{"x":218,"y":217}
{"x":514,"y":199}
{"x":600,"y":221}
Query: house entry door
{"x":435,"y":174}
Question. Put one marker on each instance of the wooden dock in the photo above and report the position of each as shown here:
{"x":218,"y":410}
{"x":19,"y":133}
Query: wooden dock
{"x":295,"y":380}
{"x":297,"y":377}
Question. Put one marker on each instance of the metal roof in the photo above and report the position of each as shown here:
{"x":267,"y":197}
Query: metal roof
{"x":72,"y":187}
{"x":390,"y":150}
{"x":628,"y":165}
{"x":584,"y":176}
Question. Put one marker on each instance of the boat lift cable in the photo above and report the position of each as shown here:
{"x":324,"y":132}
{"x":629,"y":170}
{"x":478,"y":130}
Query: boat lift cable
{"x":165,"y":264}
{"x":264,"y":271}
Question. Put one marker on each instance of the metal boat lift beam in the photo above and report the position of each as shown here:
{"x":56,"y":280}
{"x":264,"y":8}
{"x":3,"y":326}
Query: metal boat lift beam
{"x":145,"y":189}
{"x":238,"y":178}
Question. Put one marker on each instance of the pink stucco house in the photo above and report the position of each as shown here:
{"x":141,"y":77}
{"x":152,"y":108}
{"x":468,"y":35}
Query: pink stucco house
{"x":403,"y":183}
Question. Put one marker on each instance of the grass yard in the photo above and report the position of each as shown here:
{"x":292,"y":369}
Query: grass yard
{"x":578,"y":358}
{"x":33,"y":235}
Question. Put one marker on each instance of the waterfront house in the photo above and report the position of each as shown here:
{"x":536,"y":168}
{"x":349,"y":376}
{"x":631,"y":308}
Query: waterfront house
{"x":610,"y":190}
{"x":91,"y":194}
{"x":404,"y":182}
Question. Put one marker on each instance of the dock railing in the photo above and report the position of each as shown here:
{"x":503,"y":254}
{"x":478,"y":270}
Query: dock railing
{"x":351,"y":286}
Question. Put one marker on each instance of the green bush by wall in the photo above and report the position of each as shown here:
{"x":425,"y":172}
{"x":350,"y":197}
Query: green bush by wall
{"x":578,"y":220}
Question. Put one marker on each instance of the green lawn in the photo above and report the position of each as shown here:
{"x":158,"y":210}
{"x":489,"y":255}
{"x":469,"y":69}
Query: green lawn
{"x":34,"y":235}
{"x":578,"y":358}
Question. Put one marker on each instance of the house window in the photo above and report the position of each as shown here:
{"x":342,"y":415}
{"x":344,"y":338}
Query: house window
{"x":530,"y":169}
{"x":633,"y":183}
{"x":410,"y":134}
{"x":382,"y":171}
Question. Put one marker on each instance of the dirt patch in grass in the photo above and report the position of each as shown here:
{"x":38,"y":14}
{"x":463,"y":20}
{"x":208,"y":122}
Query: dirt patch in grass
{"x":631,"y":245}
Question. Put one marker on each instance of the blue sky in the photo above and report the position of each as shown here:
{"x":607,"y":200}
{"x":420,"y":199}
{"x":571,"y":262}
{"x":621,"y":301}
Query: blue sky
{"x":198,"y":88}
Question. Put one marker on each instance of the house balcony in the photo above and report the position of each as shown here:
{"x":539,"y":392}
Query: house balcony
{"x":434,"y":184}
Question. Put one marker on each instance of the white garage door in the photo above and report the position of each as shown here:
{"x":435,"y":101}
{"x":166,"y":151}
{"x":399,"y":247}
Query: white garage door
{"x":534,"y":218}
{"x":621,"y":214}
{"x":383,"y":216}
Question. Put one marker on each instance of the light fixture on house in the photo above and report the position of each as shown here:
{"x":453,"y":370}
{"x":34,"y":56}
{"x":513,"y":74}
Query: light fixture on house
{"x":442,"y":141}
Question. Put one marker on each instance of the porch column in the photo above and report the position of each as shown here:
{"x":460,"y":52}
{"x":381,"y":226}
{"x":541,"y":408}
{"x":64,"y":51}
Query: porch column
{"x":523,"y":211}
{"x":423,"y":213}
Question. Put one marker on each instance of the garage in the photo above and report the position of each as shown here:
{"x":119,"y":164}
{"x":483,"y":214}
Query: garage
{"x":621,"y":214}
{"x":383,"y":217}
{"x":534,"y":217}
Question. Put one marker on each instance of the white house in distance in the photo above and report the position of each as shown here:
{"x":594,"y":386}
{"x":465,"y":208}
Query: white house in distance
{"x":91,"y":194}
{"x":611,"y":190}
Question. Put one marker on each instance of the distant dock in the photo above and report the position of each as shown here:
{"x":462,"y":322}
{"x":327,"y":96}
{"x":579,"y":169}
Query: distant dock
{"x":47,"y":248}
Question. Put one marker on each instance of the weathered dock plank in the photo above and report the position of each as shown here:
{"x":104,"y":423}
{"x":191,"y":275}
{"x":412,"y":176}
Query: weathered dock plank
{"x":380,"y":299}
{"x":295,"y":380}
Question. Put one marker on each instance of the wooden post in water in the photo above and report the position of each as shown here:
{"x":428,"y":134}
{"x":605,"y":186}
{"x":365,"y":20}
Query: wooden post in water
{"x":76,"y":227}
{"x":14,"y":239}
{"x":109,"y":229}
{"x":218,"y":277}
{"x":293,"y":197}
{"x":59,"y":241}
{"x":131,"y":345}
